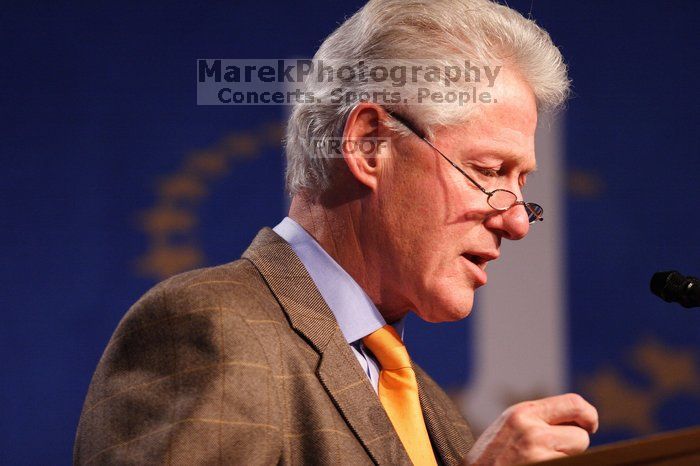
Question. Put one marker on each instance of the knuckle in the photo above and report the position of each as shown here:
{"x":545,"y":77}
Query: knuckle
{"x":578,"y":403}
{"x":584,"y":440}
{"x":573,"y":443}
{"x":516,"y":416}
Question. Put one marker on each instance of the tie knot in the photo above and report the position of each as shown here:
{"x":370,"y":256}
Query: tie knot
{"x":388,"y":348}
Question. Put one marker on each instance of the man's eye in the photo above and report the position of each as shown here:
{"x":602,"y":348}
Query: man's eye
{"x":490,"y":172}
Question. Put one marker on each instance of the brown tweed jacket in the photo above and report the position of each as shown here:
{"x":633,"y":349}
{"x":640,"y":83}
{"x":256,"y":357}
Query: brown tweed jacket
{"x":245,"y":364}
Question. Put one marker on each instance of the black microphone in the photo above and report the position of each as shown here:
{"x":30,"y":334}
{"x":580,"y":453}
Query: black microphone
{"x":671,"y":286}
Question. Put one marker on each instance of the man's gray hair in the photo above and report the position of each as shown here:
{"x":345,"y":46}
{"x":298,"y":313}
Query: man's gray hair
{"x":478,"y":31}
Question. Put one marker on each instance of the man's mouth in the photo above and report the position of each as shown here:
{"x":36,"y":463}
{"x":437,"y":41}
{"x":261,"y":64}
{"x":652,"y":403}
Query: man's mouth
{"x":480,"y":260}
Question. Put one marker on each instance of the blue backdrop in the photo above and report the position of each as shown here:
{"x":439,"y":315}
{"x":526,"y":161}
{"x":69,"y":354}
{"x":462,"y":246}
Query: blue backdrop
{"x":114,"y":179}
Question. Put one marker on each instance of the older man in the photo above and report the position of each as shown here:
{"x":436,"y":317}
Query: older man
{"x":294,"y":353}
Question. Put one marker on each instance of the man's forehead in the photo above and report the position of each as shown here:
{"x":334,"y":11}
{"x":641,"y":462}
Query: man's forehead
{"x":493,"y":154}
{"x":491,"y":142}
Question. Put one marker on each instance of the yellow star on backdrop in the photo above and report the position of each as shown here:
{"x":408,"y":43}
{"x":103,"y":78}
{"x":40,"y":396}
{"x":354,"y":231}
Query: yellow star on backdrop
{"x":619,"y":403}
{"x":671,"y":371}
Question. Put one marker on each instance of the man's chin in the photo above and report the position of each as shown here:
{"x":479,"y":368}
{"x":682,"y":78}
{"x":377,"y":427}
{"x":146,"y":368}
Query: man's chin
{"x":448,"y":312}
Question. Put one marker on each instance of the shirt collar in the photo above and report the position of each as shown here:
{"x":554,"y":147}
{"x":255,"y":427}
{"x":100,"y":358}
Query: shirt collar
{"x":355,"y":312}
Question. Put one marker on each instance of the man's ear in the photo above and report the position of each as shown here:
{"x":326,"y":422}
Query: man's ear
{"x":365,"y":145}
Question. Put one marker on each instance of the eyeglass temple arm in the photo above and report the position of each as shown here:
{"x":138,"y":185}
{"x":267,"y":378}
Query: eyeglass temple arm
{"x":421,"y":135}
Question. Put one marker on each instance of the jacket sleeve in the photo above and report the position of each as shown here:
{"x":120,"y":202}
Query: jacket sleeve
{"x":182,"y":381}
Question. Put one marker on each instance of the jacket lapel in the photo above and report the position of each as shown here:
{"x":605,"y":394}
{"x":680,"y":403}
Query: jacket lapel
{"x":448,"y":431}
{"x":338,"y":370}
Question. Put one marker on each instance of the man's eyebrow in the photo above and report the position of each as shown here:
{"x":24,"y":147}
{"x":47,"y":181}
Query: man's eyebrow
{"x":509,"y":156}
{"x":530,"y":169}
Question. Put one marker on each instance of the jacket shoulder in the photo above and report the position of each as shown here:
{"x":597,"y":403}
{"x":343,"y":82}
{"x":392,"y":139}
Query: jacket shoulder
{"x":191,"y":320}
{"x":234,"y":287}
{"x":159,"y":382}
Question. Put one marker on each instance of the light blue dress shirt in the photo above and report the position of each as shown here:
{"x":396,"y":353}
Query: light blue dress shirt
{"x":355,"y":312}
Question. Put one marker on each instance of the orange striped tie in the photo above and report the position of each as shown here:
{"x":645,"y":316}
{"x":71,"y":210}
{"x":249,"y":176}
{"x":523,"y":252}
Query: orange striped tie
{"x":398,"y":393}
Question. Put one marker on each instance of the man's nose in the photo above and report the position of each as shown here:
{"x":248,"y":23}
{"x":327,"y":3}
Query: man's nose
{"x":512,"y":224}
{"x":517,"y":222}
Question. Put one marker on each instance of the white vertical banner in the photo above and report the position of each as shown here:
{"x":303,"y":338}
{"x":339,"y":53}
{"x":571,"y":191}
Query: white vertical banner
{"x":519,"y":342}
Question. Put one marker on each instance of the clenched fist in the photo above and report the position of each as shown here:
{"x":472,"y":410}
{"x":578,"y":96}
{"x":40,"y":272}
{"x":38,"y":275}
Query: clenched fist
{"x":536,"y":431}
